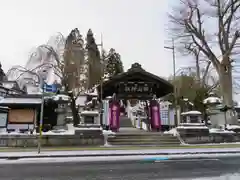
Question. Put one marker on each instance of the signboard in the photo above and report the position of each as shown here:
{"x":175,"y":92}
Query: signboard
{"x":23,"y":116}
{"x":135,"y":89}
{"x":50,"y":88}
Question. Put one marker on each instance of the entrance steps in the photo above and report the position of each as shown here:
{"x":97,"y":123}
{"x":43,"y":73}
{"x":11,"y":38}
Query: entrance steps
{"x":125,"y":122}
{"x":143,"y":138}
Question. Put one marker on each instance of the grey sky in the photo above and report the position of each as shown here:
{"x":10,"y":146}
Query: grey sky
{"x":134,"y":28}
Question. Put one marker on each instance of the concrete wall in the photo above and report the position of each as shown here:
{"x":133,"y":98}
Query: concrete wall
{"x":50,"y":140}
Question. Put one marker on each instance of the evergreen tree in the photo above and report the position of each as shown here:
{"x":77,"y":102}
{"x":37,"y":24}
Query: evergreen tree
{"x":94,"y":61}
{"x":2,"y":74}
{"x":114,"y":64}
{"x":74,"y":60}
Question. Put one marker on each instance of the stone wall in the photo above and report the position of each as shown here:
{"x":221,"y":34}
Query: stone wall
{"x":50,"y":140}
{"x":201,"y":137}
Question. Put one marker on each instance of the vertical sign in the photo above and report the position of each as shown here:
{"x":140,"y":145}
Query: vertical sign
{"x":115,"y":114}
{"x":155,"y":115}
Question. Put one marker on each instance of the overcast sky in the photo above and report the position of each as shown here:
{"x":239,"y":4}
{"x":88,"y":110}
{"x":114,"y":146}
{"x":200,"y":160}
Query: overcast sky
{"x":134,"y":28}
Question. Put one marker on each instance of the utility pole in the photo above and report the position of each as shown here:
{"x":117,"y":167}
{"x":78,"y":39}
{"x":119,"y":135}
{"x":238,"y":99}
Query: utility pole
{"x":174,"y":77}
{"x":101,"y":80}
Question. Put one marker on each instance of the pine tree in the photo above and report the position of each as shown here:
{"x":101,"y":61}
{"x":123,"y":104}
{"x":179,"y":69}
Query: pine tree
{"x":114,"y":64}
{"x":94,"y":61}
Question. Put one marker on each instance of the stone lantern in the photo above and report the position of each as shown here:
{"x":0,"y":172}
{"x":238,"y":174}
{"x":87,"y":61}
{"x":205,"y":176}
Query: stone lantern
{"x":213,"y":105}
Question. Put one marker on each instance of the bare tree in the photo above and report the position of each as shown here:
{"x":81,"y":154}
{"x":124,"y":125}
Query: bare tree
{"x":212,"y":27}
{"x":201,"y":65}
{"x":62,"y":71}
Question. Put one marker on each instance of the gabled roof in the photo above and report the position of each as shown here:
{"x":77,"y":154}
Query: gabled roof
{"x":137,"y":69}
{"x":137,"y":72}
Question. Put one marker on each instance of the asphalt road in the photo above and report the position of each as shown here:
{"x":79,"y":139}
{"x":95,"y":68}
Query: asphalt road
{"x":181,"y":169}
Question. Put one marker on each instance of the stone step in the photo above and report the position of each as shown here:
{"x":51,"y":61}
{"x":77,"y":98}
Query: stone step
{"x":144,"y":139}
{"x":142,"y":133}
{"x":139,"y":143}
{"x":125,"y":121}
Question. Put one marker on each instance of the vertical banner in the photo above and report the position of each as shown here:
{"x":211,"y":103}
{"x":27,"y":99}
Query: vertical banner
{"x":155,"y":115}
{"x":114,"y":115}
{"x":105,"y":112}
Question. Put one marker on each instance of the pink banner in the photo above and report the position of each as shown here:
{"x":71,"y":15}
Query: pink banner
{"x":115,"y":114}
{"x":155,"y":115}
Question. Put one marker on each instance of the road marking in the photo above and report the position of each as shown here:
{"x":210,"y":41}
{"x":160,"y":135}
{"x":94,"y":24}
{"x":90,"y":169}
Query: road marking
{"x":186,"y":160}
{"x":153,"y":159}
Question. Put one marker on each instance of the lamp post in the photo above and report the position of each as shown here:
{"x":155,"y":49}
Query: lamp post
{"x":174,"y":76}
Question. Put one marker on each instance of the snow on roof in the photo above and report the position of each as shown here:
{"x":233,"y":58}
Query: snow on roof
{"x":33,"y":89}
{"x":21,"y":101}
{"x":165,"y":103}
{"x":89,"y":113}
{"x":191,"y":113}
{"x":4,"y":107}
{"x":61,"y":97}
{"x":81,"y":100}
{"x":8,"y":85}
{"x":92,"y":92}
{"x":212,"y":100}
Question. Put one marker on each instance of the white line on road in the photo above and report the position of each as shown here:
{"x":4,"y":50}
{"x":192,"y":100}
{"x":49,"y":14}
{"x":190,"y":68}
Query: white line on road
{"x":105,"y":159}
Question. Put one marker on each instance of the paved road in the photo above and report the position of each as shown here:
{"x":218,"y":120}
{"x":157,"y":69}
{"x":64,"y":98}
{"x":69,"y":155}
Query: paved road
{"x":126,"y":170}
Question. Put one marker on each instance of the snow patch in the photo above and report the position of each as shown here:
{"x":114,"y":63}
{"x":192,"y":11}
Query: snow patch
{"x":108,"y":132}
{"x":220,"y":131}
{"x":61,"y":97}
{"x":192,"y":124}
{"x":231,"y":127}
{"x":191,"y":113}
{"x":89,"y":113}
{"x":173,"y":132}
{"x":212,"y":100}
{"x":192,"y":127}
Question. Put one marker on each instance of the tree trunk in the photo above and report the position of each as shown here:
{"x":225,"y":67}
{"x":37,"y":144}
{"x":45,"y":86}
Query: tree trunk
{"x":76,"y":119}
{"x":225,"y":78}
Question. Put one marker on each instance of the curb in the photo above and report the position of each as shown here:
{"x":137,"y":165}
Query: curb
{"x":114,"y":155}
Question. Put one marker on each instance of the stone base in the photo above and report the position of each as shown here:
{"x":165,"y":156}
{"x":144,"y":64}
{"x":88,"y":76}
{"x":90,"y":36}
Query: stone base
{"x":50,"y":140}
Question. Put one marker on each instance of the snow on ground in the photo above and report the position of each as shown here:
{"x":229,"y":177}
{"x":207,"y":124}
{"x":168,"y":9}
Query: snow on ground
{"x":70,"y":130}
{"x":220,"y":131}
{"x":142,"y":158}
{"x":230,"y":127}
{"x":108,"y":132}
{"x":212,"y":144}
{"x":140,"y":151}
{"x":192,"y":127}
{"x":173,"y":131}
